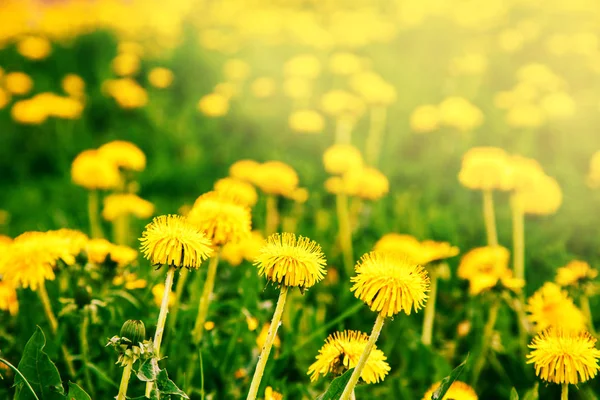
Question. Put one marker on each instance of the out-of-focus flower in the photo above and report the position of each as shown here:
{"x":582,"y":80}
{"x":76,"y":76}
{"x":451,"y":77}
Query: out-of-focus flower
{"x":540,"y":76}
{"x":297,"y":88}
{"x":160,"y":77}
{"x":306,"y":121}
{"x":457,"y":391}
{"x":575,"y":273}
{"x":525,"y":116}
{"x":469,"y":64}
{"x":126,"y":64}
{"x":341,"y":103}
{"x":367,"y":183}
{"x":425,"y":118}
{"x":244,"y":170}
{"x":29,"y":112}
{"x":130,"y":281}
{"x":237,"y":190}
{"x":34,"y":47}
{"x":300,"y":195}
{"x":92,"y":171}
{"x":157,"y":293}
{"x":373,"y":88}
{"x":236,"y":70}
{"x":550,"y":306}
{"x":58,"y":106}
{"x":271,"y":394}
{"x":459,"y":113}
{"x":100,"y":251}
{"x":226,"y":89}
{"x":213,"y":105}
{"x":126,"y":92}
{"x":120,"y":204}
{"x":486,"y":268}
{"x":341,"y":352}
{"x":130,"y":47}
{"x":247,"y":249}
{"x":18,"y":83}
{"x":262,"y":336}
{"x":558,"y":105}
{"x":4,"y":98}
{"x":341,"y":158}
{"x":276,"y":177}
{"x":8,"y":298}
{"x":342,"y":63}
{"x":303,"y":66}
{"x":124,"y":155}
{"x":263,"y":87}
{"x":542,"y":198}
{"x":73,"y":85}
{"x":486,"y":168}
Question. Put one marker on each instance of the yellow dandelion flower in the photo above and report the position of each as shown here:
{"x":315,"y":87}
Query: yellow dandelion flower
{"x":276,"y":177}
{"x":271,"y":394}
{"x":300,"y":195}
{"x":459,"y":113}
{"x":341,"y":103}
{"x":237,"y":190}
{"x":213,"y":105}
{"x":367,"y":183}
{"x":171,"y":240}
{"x":100,"y":251}
{"x":303,"y":66}
{"x":220,"y":218}
{"x":562,"y":356}
{"x":160,"y":77}
{"x":246,"y":249}
{"x":67,"y":243}
{"x":458,"y":391}
{"x":18,"y":83}
{"x":486,"y":168}
{"x":126,"y":64}
{"x":306,"y":121}
{"x":127,"y":92}
{"x":121,"y":204}
{"x":435,"y":251}
{"x":4,"y":98}
{"x":425,"y":119}
{"x":92,"y":171}
{"x":490,"y":260}
{"x":263,"y":87}
{"x":8,"y":297}
{"x":481,"y":282}
{"x":542,"y":198}
{"x":524,"y":172}
{"x":34,"y":47}
{"x":291,"y":261}
{"x":130,"y":281}
{"x":340,"y":158}
{"x":575,"y":273}
{"x":341,"y":352}
{"x":399,"y":243}
{"x":550,"y":306}
{"x":262,"y":336}
{"x":124,"y":155}
{"x":373,"y":88}
{"x":342,"y":63}
{"x":73,"y":85}
{"x":236,"y":70}
{"x":244,"y":170}
{"x":157,"y":294}
{"x":58,"y":106}
{"x":297,"y":88}
{"x":389,"y":283}
{"x":29,"y":112}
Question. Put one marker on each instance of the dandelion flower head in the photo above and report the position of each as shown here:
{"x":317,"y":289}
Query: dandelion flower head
{"x":100,"y":251}
{"x":276,"y":177}
{"x":458,"y":391}
{"x":575,"y":273}
{"x":244,"y":170}
{"x":124,"y":155}
{"x":121,"y":204}
{"x":160,"y":77}
{"x":341,"y":158}
{"x":550,"y":306}
{"x":8,"y":297}
{"x":366,"y":183}
{"x":237,"y":190}
{"x":93,"y":171}
{"x":486,"y":168}
{"x":306,"y":121}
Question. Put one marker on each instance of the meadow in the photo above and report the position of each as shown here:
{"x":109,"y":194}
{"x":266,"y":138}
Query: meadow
{"x":220,"y":191}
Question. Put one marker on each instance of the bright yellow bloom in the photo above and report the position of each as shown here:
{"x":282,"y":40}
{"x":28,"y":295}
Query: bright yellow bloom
{"x":300,"y":195}
{"x":271,"y":394}
{"x":373,"y":88}
{"x":4,"y":98}
{"x":126,"y":64}
{"x":345,"y":64}
{"x":420,"y":252}
{"x":367,"y":183}
{"x":237,"y":190}
{"x":306,"y":121}
{"x":561,"y":356}
{"x":550,"y":306}
{"x":486,"y":267}
{"x":435,"y":251}
{"x":160,"y":77}
{"x":459,"y":113}
{"x":458,"y":391}
{"x":213,"y":105}
{"x":482,"y":282}
{"x":297,"y":88}
{"x":124,"y":155}
{"x":57,"y":106}
{"x":29,"y":112}
{"x":171,"y":240}
{"x":542,"y":198}
{"x":127,"y":92}
{"x":157,"y":293}
{"x":341,"y":158}
{"x":524,"y":172}
{"x":236,"y":70}
{"x":8,"y":297}
{"x":341,"y":103}
{"x":341,"y":352}
{"x":100,"y":251}
{"x":18,"y":83}
{"x":120,"y":204}
{"x":486,"y":168}
{"x":276,"y":177}
{"x":263,"y":87}
{"x":558,"y":106}
{"x":34,"y":47}
{"x":390,"y":283}
{"x":92,"y":171}
{"x":425,"y":118}
{"x":246,"y":249}
{"x":262,"y":336}
{"x":220,"y":218}
{"x":244,"y":170}
{"x":291,"y":261}
{"x":575,"y":273}
{"x":73,"y":85}
{"x":130,"y":281}
{"x":303,"y":66}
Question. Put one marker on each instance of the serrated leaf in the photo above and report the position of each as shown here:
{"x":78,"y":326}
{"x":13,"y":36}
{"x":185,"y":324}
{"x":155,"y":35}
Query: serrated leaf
{"x":449,"y":380}
{"x":336,"y":388}
{"x":77,"y":393}
{"x":39,"y":370}
{"x":146,"y":371}
{"x":532,"y":394}
{"x":167,"y":386}
{"x":513,"y":394}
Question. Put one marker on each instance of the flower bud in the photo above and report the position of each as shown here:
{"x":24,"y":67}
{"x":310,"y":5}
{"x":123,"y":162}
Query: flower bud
{"x":134,"y":330}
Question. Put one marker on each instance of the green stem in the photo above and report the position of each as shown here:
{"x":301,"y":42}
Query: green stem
{"x":427,"y":333}
{"x":488,"y":331}
{"x":85,"y":351}
{"x":363,"y":358}
{"x":183,"y":275}
{"x":564,"y":393}
{"x":125,"y":380}
{"x":266,"y":349}
{"x":160,"y":326}
{"x":489,"y":218}
{"x":518,"y":225}
{"x":375,"y":135}
{"x":93,"y":205}
{"x":343,"y":130}
{"x":121,"y":230}
{"x":345,"y":232}
{"x":272,"y":219}
{"x":209,"y":285}
{"x":587,"y":311}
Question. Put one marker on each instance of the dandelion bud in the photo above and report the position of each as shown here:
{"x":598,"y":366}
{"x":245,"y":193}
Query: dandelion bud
{"x":134,"y":330}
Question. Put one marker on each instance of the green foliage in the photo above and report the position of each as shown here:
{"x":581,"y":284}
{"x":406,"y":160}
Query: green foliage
{"x":440,"y":392}
{"x":336,"y":388}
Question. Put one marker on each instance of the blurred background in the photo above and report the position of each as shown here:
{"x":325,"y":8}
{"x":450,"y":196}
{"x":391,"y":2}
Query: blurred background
{"x":198,"y":85}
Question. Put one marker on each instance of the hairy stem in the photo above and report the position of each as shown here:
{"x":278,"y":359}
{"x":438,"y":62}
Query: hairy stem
{"x":209,"y":285}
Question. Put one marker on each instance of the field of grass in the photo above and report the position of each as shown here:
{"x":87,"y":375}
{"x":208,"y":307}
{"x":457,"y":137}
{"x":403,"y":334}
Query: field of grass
{"x":385,"y":118}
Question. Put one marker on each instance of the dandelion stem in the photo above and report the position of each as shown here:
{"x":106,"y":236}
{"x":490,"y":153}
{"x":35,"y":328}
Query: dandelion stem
{"x":374,"y":138}
{"x":85,"y":350}
{"x":352,"y":395}
{"x":160,"y":326}
{"x":125,"y":380}
{"x":272,"y":219}
{"x":343,"y":130}
{"x":266,"y":349}
{"x":518,"y":225}
{"x":93,"y":205}
{"x":121,"y":230}
{"x":489,"y":217}
{"x":183,"y":275}
{"x":564,"y":393}
{"x":363,"y":358}
{"x":345,"y":232}
{"x":205,"y":299}
{"x":587,"y":311}
{"x":488,"y":331}
{"x":427,"y":333}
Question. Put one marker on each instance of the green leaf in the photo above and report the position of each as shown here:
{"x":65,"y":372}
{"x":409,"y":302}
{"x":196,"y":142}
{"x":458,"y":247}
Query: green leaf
{"x":513,"y":394}
{"x":336,"y":388}
{"x":2,"y":360}
{"x":449,"y":380}
{"x":77,"y":393}
{"x":167,"y":386}
{"x":101,"y":374}
{"x":146,"y":371}
{"x":39,"y":371}
{"x":532,"y":394}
